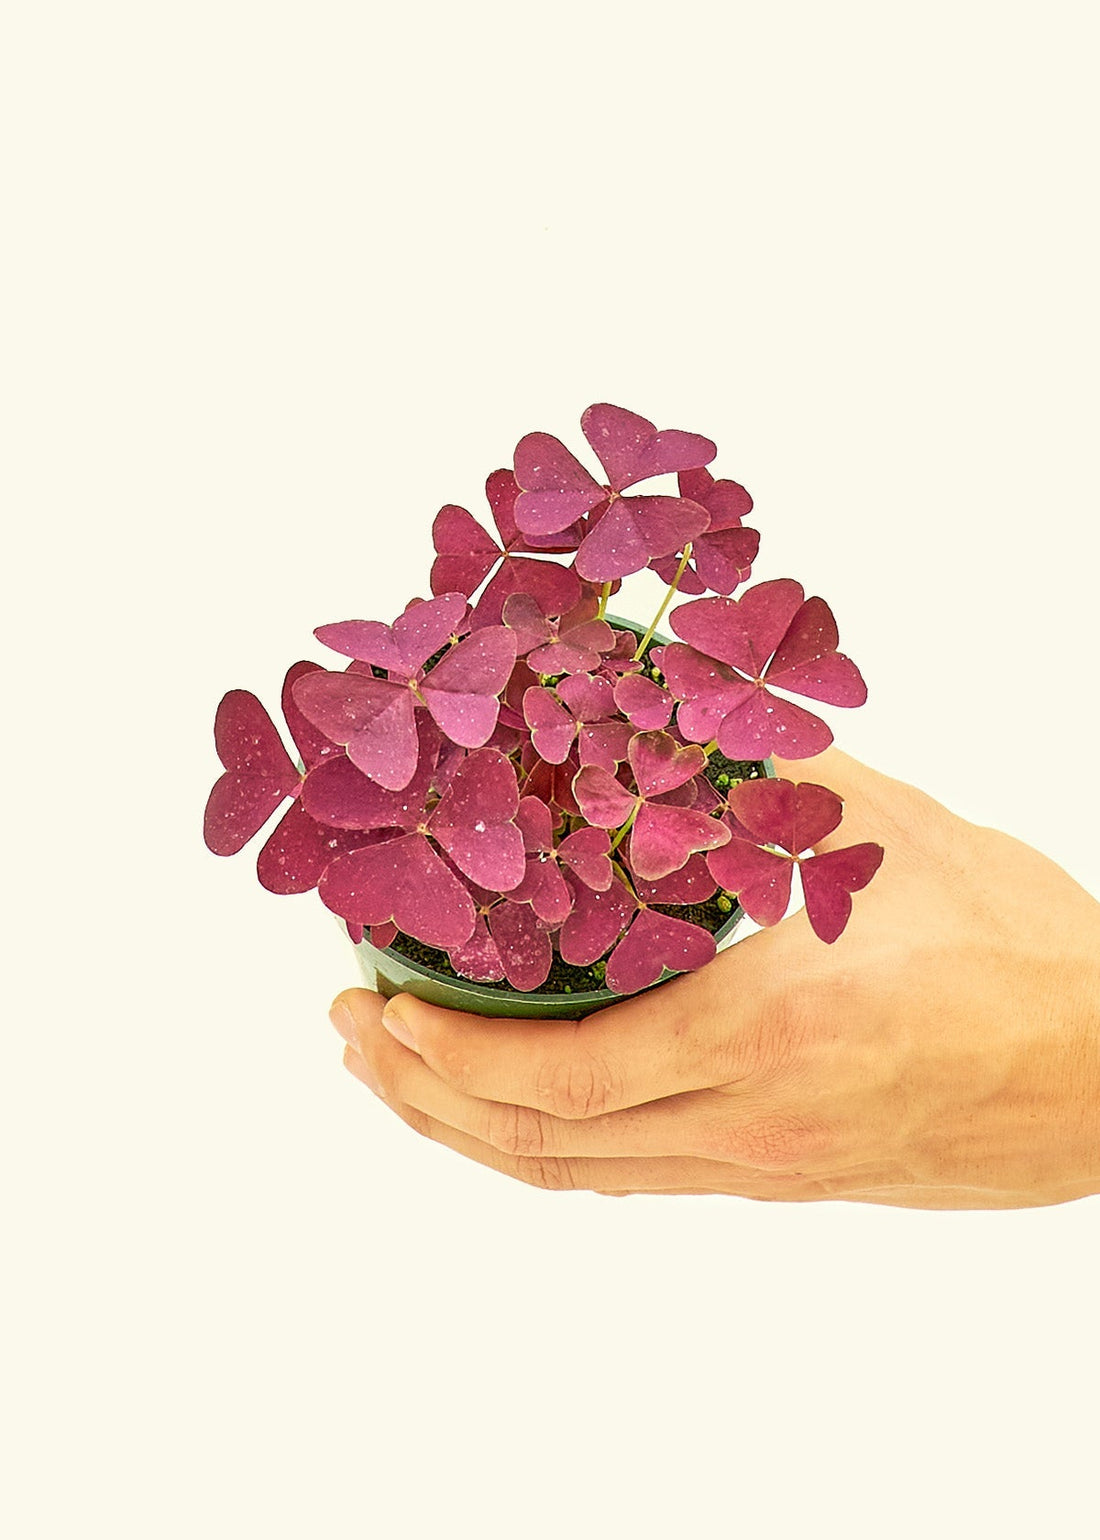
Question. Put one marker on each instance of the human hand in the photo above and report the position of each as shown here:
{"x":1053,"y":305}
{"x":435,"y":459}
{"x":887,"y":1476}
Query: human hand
{"x":943,"y":1053}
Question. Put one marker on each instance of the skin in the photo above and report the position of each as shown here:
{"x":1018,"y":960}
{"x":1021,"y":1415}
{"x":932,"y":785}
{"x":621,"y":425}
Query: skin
{"x":944,"y":1053}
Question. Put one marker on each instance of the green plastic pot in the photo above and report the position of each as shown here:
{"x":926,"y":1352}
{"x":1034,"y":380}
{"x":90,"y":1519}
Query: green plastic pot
{"x":392,"y":973}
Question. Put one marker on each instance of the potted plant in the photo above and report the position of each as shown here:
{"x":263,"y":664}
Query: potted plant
{"x":522,"y":805}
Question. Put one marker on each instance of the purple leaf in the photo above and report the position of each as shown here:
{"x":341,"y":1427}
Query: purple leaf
{"x":663,"y":838}
{"x":760,"y":879}
{"x":311,"y":743}
{"x":338,"y":794}
{"x":556,"y":488}
{"x":828,"y":880}
{"x":692,"y":884}
{"x":660,"y":764}
{"x":634,"y":531}
{"x":767,"y":724}
{"x":597,"y":922}
{"x":587,"y":696}
{"x":780,"y":812}
{"x":373,"y":718}
{"x":605,"y":744}
{"x":622,"y":659}
{"x":723,"y":554}
{"x":299,"y":849}
{"x":466,"y":552}
{"x":405,"y":881}
{"x":603,"y":800}
{"x":723,"y":558}
{"x":552,"y":728}
{"x":707,"y":691}
{"x":425,"y":626}
{"x":770,"y":621}
{"x":630,"y":449}
{"x":545,"y":889}
{"x":474,"y":822}
{"x":366,"y":641}
{"x":645,"y":703}
{"x":259,"y":774}
{"x":555,"y":588}
{"x":462,"y":690}
{"x":585,"y":853}
{"x":525,"y":948}
{"x":552,"y":783}
{"x":479,"y":957}
{"x":576,"y":650}
{"x":502,"y":490}
{"x":807,"y":662}
{"x":536,"y":823}
{"x":653,"y":943}
{"x":422,"y":628}
{"x":727,"y":502}
{"x":524,"y":615}
{"x":741,"y":632}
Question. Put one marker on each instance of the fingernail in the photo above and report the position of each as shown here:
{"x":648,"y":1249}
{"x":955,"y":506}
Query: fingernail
{"x":344,"y":1022}
{"x":397,"y":1028}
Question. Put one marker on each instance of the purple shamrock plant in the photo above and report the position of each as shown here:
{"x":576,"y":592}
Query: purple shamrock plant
{"x":510,"y":787}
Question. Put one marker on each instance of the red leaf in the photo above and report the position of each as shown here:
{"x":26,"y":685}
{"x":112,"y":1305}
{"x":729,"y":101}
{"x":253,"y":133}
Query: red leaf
{"x":597,"y":922}
{"x":474,"y":822}
{"x":556,"y":488}
{"x":760,"y":879}
{"x":525,"y":949}
{"x":829,"y":879}
{"x":259,"y":774}
{"x":653,"y":943}
{"x":405,"y":881}
{"x":630,"y":449}
{"x":299,"y":849}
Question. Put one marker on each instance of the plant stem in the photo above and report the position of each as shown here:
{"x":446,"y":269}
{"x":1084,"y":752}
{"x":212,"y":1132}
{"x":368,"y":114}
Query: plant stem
{"x":624,"y":878}
{"x":709,"y":748}
{"x":665,"y":602}
{"x":604,"y":596}
{"x":625,"y":830}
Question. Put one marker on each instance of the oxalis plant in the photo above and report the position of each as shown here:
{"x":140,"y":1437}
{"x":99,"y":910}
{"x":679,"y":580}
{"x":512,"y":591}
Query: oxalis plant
{"x":512,"y":778}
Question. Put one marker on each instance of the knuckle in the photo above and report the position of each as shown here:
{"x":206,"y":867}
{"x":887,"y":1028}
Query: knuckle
{"x":770,"y":1142}
{"x":800,"y":1018}
{"x":580,"y":1086}
{"x":451,"y":1061}
{"x":518,"y":1130}
{"x":790,"y":1025}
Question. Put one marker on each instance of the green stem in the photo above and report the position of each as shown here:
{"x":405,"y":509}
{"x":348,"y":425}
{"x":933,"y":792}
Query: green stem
{"x":604,"y":596}
{"x":665,"y":602}
{"x":709,"y":748}
{"x":625,"y":830}
{"x":624,"y":878}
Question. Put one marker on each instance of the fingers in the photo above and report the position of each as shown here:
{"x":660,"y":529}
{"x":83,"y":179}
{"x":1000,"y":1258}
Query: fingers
{"x":614,"y":1175}
{"x":707,"y":1125}
{"x":699,"y":1030}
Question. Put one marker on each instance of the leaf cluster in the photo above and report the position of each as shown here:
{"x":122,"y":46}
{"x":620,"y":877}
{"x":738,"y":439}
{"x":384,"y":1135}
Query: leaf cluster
{"x":504,"y":772}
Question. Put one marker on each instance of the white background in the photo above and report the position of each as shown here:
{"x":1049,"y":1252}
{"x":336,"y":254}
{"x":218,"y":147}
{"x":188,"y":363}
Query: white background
{"x":282,"y":280}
